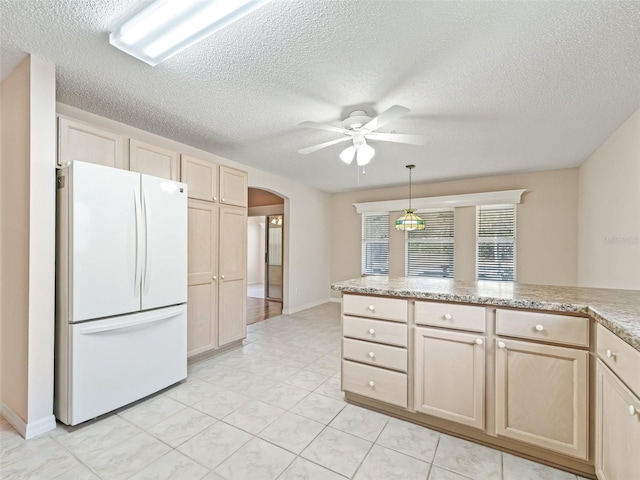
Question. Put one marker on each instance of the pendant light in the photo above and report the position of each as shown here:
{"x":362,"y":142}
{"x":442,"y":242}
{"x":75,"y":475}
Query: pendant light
{"x":409,"y":221}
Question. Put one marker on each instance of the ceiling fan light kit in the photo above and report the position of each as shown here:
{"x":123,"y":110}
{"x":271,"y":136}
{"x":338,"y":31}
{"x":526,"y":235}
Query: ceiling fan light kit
{"x":358,"y":127}
{"x":409,"y":221}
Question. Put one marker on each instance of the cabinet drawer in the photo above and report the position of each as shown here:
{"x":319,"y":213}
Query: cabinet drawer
{"x":620,"y":357}
{"x":383,"y":385}
{"x":394,"y":309}
{"x":449,"y":315}
{"x":546,"y":327}
{"x":375,"y":354}
{"x":375,"y":330}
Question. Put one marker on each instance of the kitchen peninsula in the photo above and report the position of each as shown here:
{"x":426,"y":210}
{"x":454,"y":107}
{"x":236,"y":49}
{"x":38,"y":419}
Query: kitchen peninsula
{"x":548,"y":372}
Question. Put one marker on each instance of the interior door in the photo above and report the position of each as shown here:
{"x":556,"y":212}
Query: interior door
{"x":164,"y":272}
{"x":273,"y":257}
{"x":102,"y":211}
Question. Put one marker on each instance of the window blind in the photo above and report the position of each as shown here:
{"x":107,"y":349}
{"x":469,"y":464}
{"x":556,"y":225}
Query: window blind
{"x":375,"y":243}
{"x":496,"y":234}
{"x":430,"y":252}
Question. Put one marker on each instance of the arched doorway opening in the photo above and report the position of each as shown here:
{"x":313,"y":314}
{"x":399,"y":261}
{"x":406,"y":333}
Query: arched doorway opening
{"x":265,"y":255}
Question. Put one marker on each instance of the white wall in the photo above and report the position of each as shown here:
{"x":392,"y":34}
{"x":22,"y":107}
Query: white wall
{"x":609,"y":211}
{"x":255,"y":250}
{"x":307,"y":213}
{"x":28,"y":246}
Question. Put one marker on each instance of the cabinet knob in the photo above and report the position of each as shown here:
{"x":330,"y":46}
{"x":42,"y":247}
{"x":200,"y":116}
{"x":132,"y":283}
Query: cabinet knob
{"x":501,"y":345}
{"x":372,"y":383}
{"x":479,"y":341}
{"x":372,"y":331}
{"x":371,"y":308}
{"x":447,"y":316}
{"x":371,"y":354}
{"x":215,"y":277}
{"x":222,"y":277}
{"x":632,"y":410}
{"x":215,"y":199}
{"x":222,"y":200}
{"x":539,"y":328}
{"x":611,"y":354}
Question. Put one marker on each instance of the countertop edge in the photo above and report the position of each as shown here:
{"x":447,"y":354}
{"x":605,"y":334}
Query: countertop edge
{"x":615,"y":326}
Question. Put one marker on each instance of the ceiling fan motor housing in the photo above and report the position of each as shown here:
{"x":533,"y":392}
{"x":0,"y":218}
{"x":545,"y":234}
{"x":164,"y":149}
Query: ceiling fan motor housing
{"x":355,"y":120}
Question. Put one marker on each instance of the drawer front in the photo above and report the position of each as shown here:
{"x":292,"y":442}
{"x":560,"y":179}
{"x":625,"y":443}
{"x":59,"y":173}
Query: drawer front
{"x":394,"y":309}
{"x":620,"y":357}
{"x":376,"y":383}
{"x":375,"y":330}
{"x":375,"y":354}
{"x":450,"y":315}
{"x":546,"y":327}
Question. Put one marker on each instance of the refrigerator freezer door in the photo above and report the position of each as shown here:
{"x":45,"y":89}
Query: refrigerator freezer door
{"x":103,"y":250}
{"x":119,"y":360}
{"x":164,"y":273}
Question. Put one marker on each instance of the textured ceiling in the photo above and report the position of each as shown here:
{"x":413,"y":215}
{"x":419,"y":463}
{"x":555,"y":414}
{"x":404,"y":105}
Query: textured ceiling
{"x":498,"y":87}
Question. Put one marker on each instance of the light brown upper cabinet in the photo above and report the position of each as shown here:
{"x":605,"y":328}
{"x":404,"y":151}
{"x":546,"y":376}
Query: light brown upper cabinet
{"x":201,"y":177}
{"x":153,"y":160}
{"x":234,"y":186}
{"x":449,"y":375}
{"x":542,"y":395}
{"x":80,"y":141}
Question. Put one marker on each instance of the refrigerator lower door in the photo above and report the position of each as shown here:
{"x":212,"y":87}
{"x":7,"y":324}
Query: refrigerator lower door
{"x":116,"y":361}
{"x":164,"y":272}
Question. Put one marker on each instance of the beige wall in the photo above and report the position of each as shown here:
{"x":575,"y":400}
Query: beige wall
{"x":28,"y":245}
{"x":609,"y":211}
{"x":546,"y":226}
{"x":306,"y":248}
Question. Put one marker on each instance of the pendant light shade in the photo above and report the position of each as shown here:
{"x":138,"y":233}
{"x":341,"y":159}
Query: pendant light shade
{"x":409,"y":221}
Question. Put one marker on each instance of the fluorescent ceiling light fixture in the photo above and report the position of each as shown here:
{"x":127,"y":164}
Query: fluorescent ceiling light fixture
{"x":166,"y":27}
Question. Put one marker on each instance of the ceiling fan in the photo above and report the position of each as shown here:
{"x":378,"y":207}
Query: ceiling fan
{"x":358,"y":127}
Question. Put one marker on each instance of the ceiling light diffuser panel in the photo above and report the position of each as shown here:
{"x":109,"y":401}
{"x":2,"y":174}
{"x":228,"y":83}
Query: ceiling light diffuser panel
{"x":166,"y":27}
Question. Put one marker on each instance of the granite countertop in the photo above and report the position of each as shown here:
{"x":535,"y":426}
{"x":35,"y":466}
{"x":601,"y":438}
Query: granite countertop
{"x":617,"y":310}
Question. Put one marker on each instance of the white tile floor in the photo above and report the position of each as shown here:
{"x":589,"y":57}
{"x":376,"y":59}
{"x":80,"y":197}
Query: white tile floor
{"x":271,"y":410}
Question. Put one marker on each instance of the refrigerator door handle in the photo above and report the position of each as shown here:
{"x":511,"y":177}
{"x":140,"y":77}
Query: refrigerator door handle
{"x":146,"y":320}
{"x":138,"y":267}
{"x":147,"y":245}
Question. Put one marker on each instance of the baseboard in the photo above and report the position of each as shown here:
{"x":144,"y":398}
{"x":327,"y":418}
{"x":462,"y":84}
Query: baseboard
{"x":291,"y":311}
{"x":27,"y":430}
{"x":336,"y":299}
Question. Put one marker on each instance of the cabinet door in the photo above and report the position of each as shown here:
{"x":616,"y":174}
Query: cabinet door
{"x":449,"y":375}
{"x":201,"y":178}
{"x":617,"y":428}
{"x":232,"y":323}
{"x":152,"y":160}
{"x":233,"y":186}
{"x":542,"y":396}
{"x":79,"y":141}
{"x":202,"y":267}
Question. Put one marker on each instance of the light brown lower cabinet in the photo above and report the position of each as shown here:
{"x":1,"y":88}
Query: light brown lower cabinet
{"x":217,"y":282}
{"x":542,"y":395}
{"x":450,"y":375}
{"x":617,"y":428}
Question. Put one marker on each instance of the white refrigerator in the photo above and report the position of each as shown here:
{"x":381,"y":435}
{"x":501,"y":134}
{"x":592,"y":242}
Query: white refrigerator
{"x":121,"y":288}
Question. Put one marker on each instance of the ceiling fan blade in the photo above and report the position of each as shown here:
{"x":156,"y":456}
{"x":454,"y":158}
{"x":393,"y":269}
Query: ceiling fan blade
{"x":398,"y":138}
{"x":320,"y":146}
{"x":389,"y":115}
{"x":322,"y":126}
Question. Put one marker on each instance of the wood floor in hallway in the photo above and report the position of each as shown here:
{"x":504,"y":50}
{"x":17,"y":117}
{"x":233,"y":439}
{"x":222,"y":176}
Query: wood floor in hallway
{"x":259,"y":309}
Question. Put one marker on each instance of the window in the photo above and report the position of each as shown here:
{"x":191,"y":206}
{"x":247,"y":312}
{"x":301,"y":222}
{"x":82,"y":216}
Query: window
{"x":496,"y":234}
{"x":375,"y":243}
{"x":429,"y":252}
